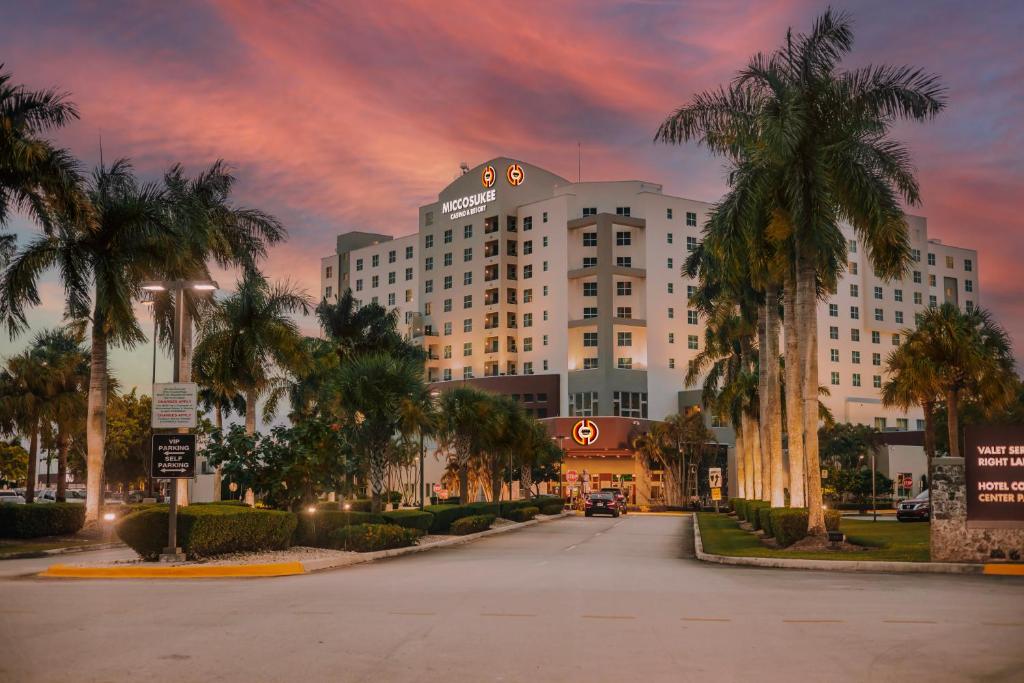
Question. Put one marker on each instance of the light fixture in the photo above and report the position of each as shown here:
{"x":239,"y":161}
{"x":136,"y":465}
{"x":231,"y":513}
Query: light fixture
{"x":153,"y":287}
{"x":204,"y":286}
{"x":109,"y":516}
{"x":311,"y":509}
{"x":347,"y":507}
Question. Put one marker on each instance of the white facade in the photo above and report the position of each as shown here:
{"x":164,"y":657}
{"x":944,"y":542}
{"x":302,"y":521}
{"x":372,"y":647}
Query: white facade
{"x":583,"y":281}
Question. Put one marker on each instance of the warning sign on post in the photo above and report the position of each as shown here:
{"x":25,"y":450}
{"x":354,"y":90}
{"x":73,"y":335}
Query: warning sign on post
{"x":174,"y":456}
{"x":174,"y":405}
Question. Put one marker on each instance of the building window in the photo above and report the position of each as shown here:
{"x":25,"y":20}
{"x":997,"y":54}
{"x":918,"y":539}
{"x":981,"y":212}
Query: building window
{"x":467,"y":277}
{"x":544,"y":241}
{"x":544,"y":217}
{"x":918,"y":299}
{"x":391,"y":278}
{"x":467,"y":325}
{"x":583,"y":404}
{"x":590,"y":239}
{"x":671,"y":337}
{"x":895,"y":340}
{"x":527,"y":271}
{"x":622,"y":211}
{"x":833,"y":332}
{"x":408,"y":252}
{"x":855,"y":335}
{"x":852,"y":246}
{"x":467,"y":372}
{"x":590,"y":339}
{"x":669,"y":238}
{"x":392,"y":255}
{"x":835,"y":379}
{"x":625,"y":363}
{"x":670,"y":287}
{"x":448,"y":236}
{"x":408,"y":295}
{"x":917,"y":277}
{"x":544,"y":266}
{"x":527,"y":296}
{"x":327,"y":292}
{"x":671,"y":313}
{"x":691,"y":341}
{"x":833,"y":310}
{"x":691,"y":219}
{"x":623,"y":238}
{"x":876,"y":381}
{"x":467,"y":254}
{"x":629,"y":404}
{"x":854,"y":313}
{"x":691,"y":317}
{"x":624,"y":261}
{"x":671,"y":363}
{"x":880,"y":423}
{"x":949,"y":261}
{"x":668,"y":214}
{"x":428,"y":263}
{"x":448,"y":347}
{"x":589,"y":312}
{"x":625,"y":339}
{"x":391,"y":299}
{"x":359,"y":264}
{"x":589,"y":211}
{"x":622,"y":288}
{"x":467,"y":301}
{"x":668,"y":263}
{"x":876,"y":359}
{"x":527,"y":344}
{"x":467,"y":349}
{"x":899,"y":317}
{"x":624,"y":312}
{"x":447,"y":305}
{"x":527,"y":247}
{"x":968,"y":265}
{"x":375,"y":260}
{"x":375,"y":281}
{"x":968,"y":285}
{"x":856,"y":379}
{"x":969,"y":305}
{"x":854,"y":290}
{"x":878,"y":293}
{"x":330,"y":272}
{"x":589,"y":289}
{"x":876,"y":337}
{"x":833,"y":355}
{"x":933,"y":300}
{"x":855,"y":357}
{"x":447,"y":281}
{"x":691,"y":243}
{"x":528,"y":223}
{"x":852,"y":267}
{"x":448,"y":258}
{"x":528,"y":368}
{"x":931,"y":259}
{"x":590,"y":262}
{"x":879,"y":314}
{"x":590,"y":363}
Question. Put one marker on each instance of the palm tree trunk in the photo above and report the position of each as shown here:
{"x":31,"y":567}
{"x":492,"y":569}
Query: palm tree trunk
{"x":250,"y":412}
{"x":777,"y":493}
{"x":756,"y":449}
{"x":62,"y":465}
{"x":33,"y":461}
{"x":953,"y":421}
{"x":748,"y":458}
{"x":807,"y":305}
{"x":764,"y":400}
{"x":741,"y":465}
{"x":96,"y":419}
{"x":216,"y":472}
{"x":794,"y":405}
{"x":464,"y":483}
{"x":496,"y":483}
{"x":526,"y":479}
{"x":929,"y":431}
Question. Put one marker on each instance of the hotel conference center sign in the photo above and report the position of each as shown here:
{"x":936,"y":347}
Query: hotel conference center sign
{"x":994,"y":469}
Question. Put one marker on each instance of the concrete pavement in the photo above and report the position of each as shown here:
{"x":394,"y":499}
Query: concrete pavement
{"x":597,"y":599}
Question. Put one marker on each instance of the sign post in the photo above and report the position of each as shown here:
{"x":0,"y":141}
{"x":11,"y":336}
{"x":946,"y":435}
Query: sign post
{"x":174,"y":457}
{"x":715,"y":482}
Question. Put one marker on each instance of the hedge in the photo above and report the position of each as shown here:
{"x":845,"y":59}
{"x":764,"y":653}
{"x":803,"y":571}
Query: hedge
{"x":832,"y":518}
{"x":734,"y":504}
{"x":41,"y":519}
{"x":741,"y":508}
{"x":315,"y":529}
{"x":410,"y":519}
{"x":764,"y":520}
{"x":549,"y":505}
{"x":789,"y":525}
{"x":444,"y":515}
{"x":365,"y":538}
{"x":753,"y":514}
{"x":205,"y":530}
{"x":524,"y":514}
{"x":472,"y":524}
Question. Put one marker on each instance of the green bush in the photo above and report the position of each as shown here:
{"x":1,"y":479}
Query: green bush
{"x":359,"y":505}
{"x":40,"y":519}
{"x":393,"y":497}
{"x":734,"y":503}
{"x":410,"y":519}
{"x":832,"y":518}
{"x":764,"y":520}
{"x":486,"y":508}
{"x":314,"y":529}
{"x":206,"y":530}
{"x":327,"y":505}
{"x":236,"y":503}
{"x":549,"y":505}
{"x":472,"y":524}
{"x":445,"y":514}
{"x":741,"y":509}
{"x":365,"y":538}
{"x":522,"y":514}
{"x":789,"y":525}
{"x":753,"y":515}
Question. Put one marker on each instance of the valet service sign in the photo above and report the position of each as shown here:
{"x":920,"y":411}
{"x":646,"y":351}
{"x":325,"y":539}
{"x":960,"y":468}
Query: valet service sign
{"x":994,"y":462}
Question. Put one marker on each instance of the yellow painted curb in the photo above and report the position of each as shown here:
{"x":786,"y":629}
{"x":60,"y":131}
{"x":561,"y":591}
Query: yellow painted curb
{"x":181,"y":572}
{"x":1005,"y":569}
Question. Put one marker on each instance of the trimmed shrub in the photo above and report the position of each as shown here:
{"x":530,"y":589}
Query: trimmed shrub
{"x":40,"y":519}
{"x":236,"y":503}
{"x":549,"y":505}
{"x":366,"y":538}
{"x":315,"y":529}
{"x":764,"y":520}
{"x":522,"y":514}
{"x":488,"y":508}
{"x":789,"y":525}
{"x":206,"y":530}
{"x":741,"y":509}
{"x":472,"y":524}
{"x":410,"y":519}
{"x":393,"y":497}
{"x":445,"y":514}
{"x":360,"y":505}
{"x":753,"y":514}
{"x":734,"y":503}
{"x":832,"y":518}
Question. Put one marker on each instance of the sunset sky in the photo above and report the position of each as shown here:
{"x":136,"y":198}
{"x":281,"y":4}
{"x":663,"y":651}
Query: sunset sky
{"x":347,"y":115}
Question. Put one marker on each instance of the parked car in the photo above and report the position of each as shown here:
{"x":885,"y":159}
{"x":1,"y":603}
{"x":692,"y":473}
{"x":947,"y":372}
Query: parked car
{"x":620,"y":496}
{"x":9,"y":497}
{"x":113,"y":499}
{"x":603,"y":504}
{"x":916,"y":509}
{"x":70,"y":496}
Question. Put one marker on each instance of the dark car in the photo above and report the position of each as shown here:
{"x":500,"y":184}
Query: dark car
{"x":602,"y":504}
{"x":916,"y":509}
{"x":620,"y":496}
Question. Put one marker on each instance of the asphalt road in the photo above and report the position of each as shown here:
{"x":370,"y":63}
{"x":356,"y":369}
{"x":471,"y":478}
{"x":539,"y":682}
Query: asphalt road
{"x":578,"y":599}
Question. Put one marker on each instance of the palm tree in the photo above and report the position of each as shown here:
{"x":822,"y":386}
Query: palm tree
{"x":22,"y":403}
{"x":370,"y":393}
{"x":913,"y":381}
{"x":822,"y":155}
{"x":355,"y":329}
{"x":66,"y":382}
{"x":250,"y":333}
{"x":417,"y":419}
{"x":102,"y":262}
{"x":970,"y":354}
{"x":685,"y":434}
{"x":35,"y":177}
{"x":468,"y":422}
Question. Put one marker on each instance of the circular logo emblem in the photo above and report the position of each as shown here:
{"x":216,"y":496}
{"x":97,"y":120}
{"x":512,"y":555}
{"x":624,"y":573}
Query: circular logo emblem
{"x":487,"y":177}
{"x":585,"y":432}
{"x":515,"y":175}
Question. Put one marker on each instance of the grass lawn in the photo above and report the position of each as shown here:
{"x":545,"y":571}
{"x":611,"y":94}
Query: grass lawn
{"x":16,"y":546}
{"x":722,"y":535}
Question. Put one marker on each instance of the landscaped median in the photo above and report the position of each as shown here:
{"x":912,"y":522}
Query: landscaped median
{"x":871,"y":546}
{"x":239,"y":542}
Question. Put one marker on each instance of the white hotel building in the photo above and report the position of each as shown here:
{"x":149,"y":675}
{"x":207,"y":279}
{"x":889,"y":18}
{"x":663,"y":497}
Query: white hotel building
{"x":530,"y":284}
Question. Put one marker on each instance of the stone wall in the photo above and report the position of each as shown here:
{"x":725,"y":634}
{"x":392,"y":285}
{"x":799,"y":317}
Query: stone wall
{"x":951,"y":540}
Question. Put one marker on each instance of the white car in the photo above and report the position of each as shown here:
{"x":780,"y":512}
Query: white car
{"x":8,"y":497}
{"x":70,"y":496}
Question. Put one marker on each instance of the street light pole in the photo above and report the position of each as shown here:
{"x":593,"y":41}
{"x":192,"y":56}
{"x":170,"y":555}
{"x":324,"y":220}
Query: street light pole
{"x":874,"y":499}
{"x":423,"y":485}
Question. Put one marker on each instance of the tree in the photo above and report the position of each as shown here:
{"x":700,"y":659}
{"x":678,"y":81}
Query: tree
{"x":35,"y":177}
{"x":370,"y":397}
{"x":684,"y":436}
{"x":843,"y":444}
{"x":102,"y":261}
{"x":13,"y":463}
{"x":22,"y":403}
{"x":469,"y":420}
{"x":128,"y":438}
{"x":913,"y":380}
{"x":970,"y":355}
{"x":247,"y":335}
{"x":822,"y":156}
{"x":356,"y":330}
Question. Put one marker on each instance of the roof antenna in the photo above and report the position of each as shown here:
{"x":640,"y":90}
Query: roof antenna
{"x":464,"y":167}
{"x":579,"y":161}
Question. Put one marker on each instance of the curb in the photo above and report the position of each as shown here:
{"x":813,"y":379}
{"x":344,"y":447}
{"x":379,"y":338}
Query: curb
{"x":33,"y":554}
{"x":63,"y":571}
{"x":851,"y":565}
{"x":362,"y":558}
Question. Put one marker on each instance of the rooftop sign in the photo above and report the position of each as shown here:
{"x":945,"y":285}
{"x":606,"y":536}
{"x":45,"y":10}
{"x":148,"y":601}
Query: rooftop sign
{"x":469,"y":205}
